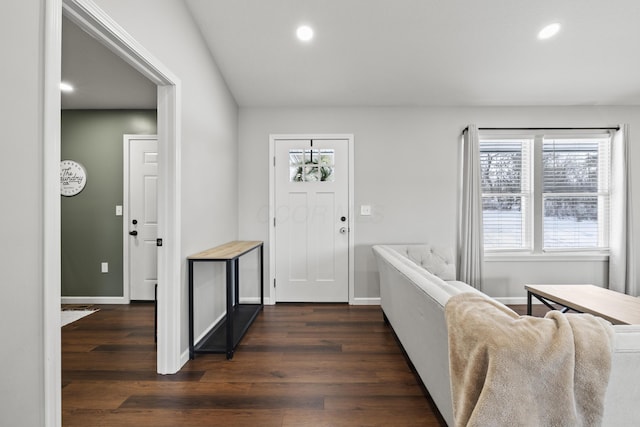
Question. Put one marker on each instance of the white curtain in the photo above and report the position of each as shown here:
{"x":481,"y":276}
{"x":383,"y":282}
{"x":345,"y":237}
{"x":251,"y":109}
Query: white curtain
{"x":470,"y":241}
{"x":622,"y":277}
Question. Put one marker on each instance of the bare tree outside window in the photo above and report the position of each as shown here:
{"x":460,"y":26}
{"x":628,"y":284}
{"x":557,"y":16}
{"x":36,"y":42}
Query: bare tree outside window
{"x":504,"y":192}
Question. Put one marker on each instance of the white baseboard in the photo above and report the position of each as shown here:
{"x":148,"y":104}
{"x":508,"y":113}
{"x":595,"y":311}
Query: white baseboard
{"x":356,"y":301}
{"x":515,"y":300}
{"x":251,"y":300}
{"x":366,"y":301}
{"x":184,"y":358}
{"x":94,"y":300}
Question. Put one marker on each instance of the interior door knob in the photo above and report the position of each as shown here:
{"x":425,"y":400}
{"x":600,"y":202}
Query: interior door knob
{"x":343,"y":230}
{"x":133,"y":233}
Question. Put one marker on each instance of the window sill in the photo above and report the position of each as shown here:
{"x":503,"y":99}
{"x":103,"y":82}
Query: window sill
{"x":546,"y":257}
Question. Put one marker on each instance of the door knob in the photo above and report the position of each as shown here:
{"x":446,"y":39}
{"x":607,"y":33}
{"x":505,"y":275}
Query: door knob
{"x":133,"y":233}
{"x":343,"y":230}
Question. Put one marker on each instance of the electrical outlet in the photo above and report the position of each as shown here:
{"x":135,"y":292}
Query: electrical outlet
{"x":104,"y":267}
{"x":118,"y":210}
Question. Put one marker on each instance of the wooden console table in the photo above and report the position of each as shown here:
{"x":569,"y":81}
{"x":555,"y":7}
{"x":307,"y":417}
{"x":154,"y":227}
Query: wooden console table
{"x":226,"y":334}
{"x":616,"y":307}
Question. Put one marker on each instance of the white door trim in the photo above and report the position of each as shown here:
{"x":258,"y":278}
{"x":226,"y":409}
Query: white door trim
{"x":51,"y":252}
{"x":271,"y":290}
{"x":88,"y":16}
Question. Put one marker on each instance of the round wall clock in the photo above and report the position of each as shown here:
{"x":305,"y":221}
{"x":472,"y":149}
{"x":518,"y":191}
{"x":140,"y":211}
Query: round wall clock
{"x":73,"y":178}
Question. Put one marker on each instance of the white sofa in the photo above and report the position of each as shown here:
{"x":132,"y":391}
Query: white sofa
{"x":416,"y":282}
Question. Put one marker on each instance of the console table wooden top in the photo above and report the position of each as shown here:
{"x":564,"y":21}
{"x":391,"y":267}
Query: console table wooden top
{"x":228,"y":251}
{"x":616,"y":307}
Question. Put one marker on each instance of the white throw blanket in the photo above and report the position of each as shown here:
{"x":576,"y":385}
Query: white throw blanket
{"x":511,"y":370}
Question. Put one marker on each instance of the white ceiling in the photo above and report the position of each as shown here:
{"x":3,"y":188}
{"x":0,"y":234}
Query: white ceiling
{"x":425,"y":52}
{"x":418,"y":52}
{"x":100,"y":78}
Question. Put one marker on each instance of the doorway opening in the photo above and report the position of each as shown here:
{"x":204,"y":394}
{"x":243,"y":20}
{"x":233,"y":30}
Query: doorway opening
{"x":96,"y":23}
{"x":107,"y":98}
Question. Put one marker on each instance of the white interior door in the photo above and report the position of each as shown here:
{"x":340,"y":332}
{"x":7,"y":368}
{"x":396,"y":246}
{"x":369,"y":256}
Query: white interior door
{"x":312,"y":220}
{"x":141,"y":225}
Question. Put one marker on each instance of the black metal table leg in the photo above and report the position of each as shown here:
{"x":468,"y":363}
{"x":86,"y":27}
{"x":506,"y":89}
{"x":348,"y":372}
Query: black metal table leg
{"x":231,"y":276}
{"x":236,"y":281}
{"x":261,"y":274}
{"x":191,"y":344}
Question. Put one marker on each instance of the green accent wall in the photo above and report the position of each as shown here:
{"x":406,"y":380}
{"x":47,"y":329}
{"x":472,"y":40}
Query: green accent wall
{"x":91,"y":231}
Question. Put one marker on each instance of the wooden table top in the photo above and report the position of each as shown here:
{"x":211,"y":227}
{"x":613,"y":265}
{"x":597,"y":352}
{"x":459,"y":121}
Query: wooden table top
{"x":616,"y":307}
{"x":228,"y":251}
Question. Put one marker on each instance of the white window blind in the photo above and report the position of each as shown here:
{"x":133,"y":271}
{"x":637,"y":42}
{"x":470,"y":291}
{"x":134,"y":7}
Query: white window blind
{"x":506,"y":193}
{"x":575,"y":193}
{"x":544,"y":192}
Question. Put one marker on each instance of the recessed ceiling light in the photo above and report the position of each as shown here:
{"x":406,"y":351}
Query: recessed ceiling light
{"x":304,"y":33}
{"x":549,"y":31}
{"x":66,"y":87}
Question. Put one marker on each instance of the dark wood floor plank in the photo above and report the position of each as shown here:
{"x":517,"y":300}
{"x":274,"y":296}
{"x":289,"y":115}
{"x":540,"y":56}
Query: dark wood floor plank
{"x":294,"y":348}
{"x":111,"y":394}
{"x":106,"y":360}
{"x":360,"y":403}
{"x":338,"y":390}
{"x":357,"y":418}
{"x":210,"y":401}
{"x":128,"y":375}
{"x":123,"y":347}
{"x":173,"y":418}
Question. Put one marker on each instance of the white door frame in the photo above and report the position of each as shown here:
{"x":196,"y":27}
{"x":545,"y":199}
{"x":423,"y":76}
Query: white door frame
{"x":272,"y":208}
{"x":126,"y":220}
{"x":88,"y":16}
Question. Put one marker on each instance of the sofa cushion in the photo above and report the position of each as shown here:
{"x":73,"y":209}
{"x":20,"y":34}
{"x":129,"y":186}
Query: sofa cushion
{"x":437,"y":261}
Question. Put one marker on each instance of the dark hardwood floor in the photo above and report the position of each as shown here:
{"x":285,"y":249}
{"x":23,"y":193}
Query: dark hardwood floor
{"x":299,"y":365}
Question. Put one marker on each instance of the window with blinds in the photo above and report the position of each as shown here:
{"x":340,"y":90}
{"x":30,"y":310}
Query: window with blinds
{"x":575,"y":193}
{"x":506,"y":193}
{"x":545,"y":193}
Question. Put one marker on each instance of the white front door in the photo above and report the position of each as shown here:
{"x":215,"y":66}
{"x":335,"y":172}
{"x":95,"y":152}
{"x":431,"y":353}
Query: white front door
{"x":141,"y":225}
{"x":312,"y":220}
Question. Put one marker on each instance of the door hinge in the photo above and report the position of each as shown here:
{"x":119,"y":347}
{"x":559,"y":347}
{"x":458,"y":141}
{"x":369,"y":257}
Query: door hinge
{"x":274,"y":161}
{"x":158,"y":242}
{"x":274,"y":283}
{"x":274,"y":221}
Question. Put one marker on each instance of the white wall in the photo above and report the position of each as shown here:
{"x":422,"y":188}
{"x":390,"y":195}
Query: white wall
{"x":209,"y":138}
{"x":406,"y":167}
{"x":21,"y":224}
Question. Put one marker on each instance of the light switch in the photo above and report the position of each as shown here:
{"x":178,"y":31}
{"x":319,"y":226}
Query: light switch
{"x":365,"y":210}
{"x":104,"y":267}
{"x":118,"y":210}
